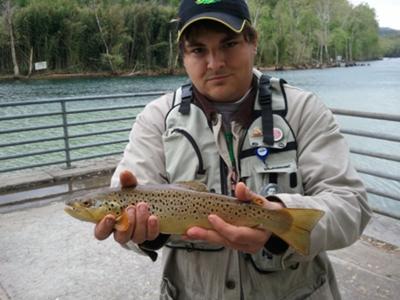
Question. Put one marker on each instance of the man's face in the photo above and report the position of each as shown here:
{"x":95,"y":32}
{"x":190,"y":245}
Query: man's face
{"x":219,"y":64}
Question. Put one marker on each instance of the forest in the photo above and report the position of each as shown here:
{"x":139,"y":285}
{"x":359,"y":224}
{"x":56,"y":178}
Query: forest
{"x":139,"y":36}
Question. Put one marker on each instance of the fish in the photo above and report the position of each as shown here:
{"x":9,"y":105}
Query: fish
{"x":183,"y":205}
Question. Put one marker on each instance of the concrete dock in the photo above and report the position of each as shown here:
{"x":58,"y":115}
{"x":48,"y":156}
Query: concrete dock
{"x":45,"y":254}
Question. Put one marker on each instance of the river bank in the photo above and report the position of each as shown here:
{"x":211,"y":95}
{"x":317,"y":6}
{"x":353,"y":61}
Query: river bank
{"x":48,"y":75}
{"x":65,"y":75}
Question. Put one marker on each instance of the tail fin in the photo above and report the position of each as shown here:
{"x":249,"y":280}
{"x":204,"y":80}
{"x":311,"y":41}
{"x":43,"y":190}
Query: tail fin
{"x":298,"y":234}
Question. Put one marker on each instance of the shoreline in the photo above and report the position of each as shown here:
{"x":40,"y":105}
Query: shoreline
{"x":65,"y":75}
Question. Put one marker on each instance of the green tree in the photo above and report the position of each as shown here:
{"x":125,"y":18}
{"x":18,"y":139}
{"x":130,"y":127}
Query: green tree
{"x":8,"y":13}
{"x":363,"y":40}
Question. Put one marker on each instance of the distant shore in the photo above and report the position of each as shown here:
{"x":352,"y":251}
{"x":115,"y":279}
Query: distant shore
{"x":64,"y":75}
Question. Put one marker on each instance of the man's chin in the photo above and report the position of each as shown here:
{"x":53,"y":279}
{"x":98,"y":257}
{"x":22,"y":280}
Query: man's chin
{"x":220,"y":97}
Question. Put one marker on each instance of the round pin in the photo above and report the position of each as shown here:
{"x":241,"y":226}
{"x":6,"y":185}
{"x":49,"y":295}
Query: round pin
{"x":278,"y":134}
{"x":262,"y":153}
{"x":270,"y":189}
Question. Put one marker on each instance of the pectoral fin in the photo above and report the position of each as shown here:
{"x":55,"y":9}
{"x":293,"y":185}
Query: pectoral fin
{"x":258,"y":200}
{"x":122,"y":223}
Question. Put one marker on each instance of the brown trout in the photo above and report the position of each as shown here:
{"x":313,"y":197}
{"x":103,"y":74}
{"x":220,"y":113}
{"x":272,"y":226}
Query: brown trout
{"x":184,"y":205}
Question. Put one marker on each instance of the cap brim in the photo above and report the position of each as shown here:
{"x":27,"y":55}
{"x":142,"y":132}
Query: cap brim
{"x":233,"y":23}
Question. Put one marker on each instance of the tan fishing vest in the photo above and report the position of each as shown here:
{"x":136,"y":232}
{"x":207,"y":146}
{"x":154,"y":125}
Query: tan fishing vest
{"x":192,"y":149}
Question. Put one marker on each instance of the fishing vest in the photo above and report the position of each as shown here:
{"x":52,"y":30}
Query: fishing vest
{"x":267,"y":153}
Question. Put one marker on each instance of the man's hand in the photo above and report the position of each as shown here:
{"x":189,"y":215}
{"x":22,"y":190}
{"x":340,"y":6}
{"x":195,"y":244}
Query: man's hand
{"x":142,"y":225}
{"x":244,"y":239}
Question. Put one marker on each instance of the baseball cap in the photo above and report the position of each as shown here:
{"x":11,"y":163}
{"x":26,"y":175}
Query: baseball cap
{"x":231,"y":13}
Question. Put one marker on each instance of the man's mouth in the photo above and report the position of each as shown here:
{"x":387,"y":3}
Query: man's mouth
{"x":217,"y":77}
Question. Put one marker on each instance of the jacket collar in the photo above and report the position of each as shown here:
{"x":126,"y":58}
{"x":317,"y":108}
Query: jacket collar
{"x":243,"y":116}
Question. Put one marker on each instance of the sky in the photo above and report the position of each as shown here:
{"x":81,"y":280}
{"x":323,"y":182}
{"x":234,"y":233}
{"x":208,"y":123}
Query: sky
{"x":387,"y":11}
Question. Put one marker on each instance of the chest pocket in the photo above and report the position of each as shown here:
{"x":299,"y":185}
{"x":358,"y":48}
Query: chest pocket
{"x":279,"y":166}
{"x":189,"y":147}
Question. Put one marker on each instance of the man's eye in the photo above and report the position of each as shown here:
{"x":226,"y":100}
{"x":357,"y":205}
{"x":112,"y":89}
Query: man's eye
{"x":230,"y":44}
{"x":197,"y":50}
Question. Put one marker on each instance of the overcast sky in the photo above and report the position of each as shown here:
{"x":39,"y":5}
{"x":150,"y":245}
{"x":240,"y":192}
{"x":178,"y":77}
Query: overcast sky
{"x":387,"y":11}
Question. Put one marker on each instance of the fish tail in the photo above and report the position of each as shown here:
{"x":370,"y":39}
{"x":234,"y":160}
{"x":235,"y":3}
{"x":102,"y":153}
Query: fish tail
{"x":299,"y":224}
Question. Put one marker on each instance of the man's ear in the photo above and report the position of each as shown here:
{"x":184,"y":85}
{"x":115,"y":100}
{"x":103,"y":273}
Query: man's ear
{"x":255,"y":43}
{"x":255,"y":46}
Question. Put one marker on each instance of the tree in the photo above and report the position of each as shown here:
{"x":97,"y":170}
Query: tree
{"x":8,"y":13}
{"x":363,"y":42}
{"x":323,"y":11}
{"x":107,"y":56}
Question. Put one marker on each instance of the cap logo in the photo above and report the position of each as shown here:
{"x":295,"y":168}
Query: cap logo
{"x":207,"y":1}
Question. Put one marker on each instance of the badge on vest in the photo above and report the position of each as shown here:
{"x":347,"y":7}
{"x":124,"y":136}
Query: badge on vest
{"x":278,"y":134}
{"x":256,"y":136}
{"x":262,"y":153}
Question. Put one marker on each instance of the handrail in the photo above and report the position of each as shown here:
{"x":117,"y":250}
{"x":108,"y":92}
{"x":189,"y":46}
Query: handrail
{"x":365,"y":114}
{"x":68,"y":141}
{"x":84,"y":98}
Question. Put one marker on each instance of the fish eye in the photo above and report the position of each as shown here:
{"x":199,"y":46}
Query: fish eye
{"x":86,"y":203}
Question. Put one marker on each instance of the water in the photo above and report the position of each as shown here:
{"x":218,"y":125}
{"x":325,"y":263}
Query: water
{"x":374,"y":87}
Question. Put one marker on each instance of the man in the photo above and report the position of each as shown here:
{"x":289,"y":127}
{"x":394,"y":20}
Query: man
{"x":233,"y":124}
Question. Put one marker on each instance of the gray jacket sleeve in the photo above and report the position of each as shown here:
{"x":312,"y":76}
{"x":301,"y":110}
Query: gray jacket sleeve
{"x":329,"y":180}
{"x":145,"y":145}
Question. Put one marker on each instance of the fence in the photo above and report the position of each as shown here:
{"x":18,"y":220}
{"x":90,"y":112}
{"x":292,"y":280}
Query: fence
{"x":65,"y":124}
{"x":55,"y":141}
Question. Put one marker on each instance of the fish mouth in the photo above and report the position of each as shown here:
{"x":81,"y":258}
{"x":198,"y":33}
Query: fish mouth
{"x":79,"y":212}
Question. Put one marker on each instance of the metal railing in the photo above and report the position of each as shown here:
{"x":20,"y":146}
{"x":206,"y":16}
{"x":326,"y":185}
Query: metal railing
{"x":374,"y":154}
{"x":65,"y":124}
{"x":68,"y":147}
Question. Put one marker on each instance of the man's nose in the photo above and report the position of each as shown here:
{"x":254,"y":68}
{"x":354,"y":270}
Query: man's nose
{"x":216,"y":60}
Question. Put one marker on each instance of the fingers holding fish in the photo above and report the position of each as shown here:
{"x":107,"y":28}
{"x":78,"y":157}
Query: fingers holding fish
{"x":104,"y":228}
{"x":243,"y":193}
{"x":245,"y":239}
{"x":153,"y":228}
{"x":142,"y":216}
{"x":127,"y":179}
{"x":123,"y":235}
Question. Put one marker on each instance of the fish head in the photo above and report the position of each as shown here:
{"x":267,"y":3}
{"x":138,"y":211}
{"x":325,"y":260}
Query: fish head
{"x":92,"y":208}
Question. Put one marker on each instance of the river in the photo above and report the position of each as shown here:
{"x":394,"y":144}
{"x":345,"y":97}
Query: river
{"x":374,"y":87}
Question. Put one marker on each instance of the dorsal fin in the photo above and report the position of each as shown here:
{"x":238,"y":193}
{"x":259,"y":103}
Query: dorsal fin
{"x":193,"y":185}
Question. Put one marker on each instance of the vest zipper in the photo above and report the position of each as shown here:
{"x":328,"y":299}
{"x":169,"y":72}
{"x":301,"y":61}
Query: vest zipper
{"x":224,"y":175}
{"x":233,"y":174}
{"x":196,"y":148}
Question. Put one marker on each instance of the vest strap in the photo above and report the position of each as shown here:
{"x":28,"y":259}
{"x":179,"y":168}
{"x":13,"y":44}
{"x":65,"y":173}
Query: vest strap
{"x":265,"y":100}
{"x":186,"y":96}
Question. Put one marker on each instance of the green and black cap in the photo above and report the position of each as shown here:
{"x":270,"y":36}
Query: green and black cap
{"x":232,"y":13}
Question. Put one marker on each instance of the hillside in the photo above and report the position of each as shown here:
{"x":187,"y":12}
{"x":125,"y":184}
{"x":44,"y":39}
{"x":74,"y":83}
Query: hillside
{"x":389,"y":40}
{"x":388,"y":32}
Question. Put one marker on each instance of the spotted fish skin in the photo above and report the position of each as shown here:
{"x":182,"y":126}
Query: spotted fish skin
{"x":181,"y":206}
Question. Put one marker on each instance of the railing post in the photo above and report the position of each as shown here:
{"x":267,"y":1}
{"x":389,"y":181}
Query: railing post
{"x":66,"y":135}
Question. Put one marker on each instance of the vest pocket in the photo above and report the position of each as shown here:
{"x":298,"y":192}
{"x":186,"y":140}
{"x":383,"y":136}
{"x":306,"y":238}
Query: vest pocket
{"x":183,"y":158}
{"x":319,"y":289}
{"x":167,"y":291}
{"x":192,"y":142}
{"x":279,"y":168}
